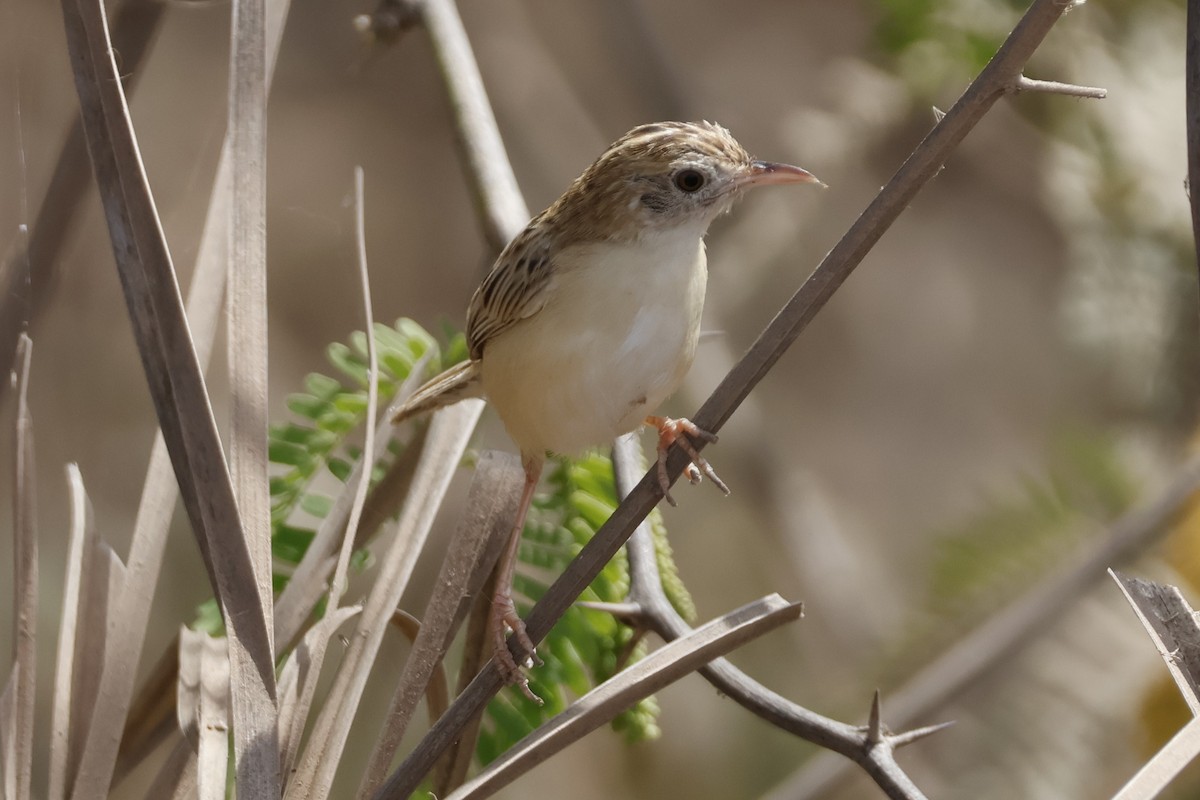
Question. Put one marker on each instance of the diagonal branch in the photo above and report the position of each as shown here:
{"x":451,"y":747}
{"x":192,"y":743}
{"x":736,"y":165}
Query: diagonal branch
{"x":998,"y":78}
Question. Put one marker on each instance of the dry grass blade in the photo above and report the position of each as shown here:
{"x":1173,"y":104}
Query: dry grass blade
{"x":364,"y":475}
{"x":255,"y":715}
{"x":247,"y":302}
{"x":488,"y":513}
{"x":447,"y":439}
{"x":298,"y":681}
{"x":94,"y":579}
{"x":212,"y":762}
{"x":173,"y":372}
{"x":160,"y":490}
{"x":662,"y":667}
{"x":314,"y":653}
{"x":25,"y":582}
{"x":1172,"y":626}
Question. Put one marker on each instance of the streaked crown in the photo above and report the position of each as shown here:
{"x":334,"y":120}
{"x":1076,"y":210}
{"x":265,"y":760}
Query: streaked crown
{"x":657,"y":175}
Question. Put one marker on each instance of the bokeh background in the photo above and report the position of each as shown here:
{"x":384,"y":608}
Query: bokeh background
{"x":1011,"y":367}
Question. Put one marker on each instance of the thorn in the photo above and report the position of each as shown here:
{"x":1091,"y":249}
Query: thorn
{"x":938,"y":114}
{"x":908,"y":737}
{"x":874,"y":726}
{"x":1024,"y":84}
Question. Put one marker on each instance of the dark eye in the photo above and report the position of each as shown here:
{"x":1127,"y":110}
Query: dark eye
{"x":689,"y":180}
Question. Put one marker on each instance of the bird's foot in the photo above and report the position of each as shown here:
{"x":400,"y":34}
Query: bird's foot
{"x":504,"y":616}
{"x":671,"y":431}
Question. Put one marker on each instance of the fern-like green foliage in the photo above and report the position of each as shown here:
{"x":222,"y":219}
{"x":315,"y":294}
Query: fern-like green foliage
{"x":1014,"y":540}
{"x":313,"y":444}
{"x":586,"y":647}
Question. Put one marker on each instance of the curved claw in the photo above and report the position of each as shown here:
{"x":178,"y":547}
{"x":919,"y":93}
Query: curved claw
{"x":676,"y":431}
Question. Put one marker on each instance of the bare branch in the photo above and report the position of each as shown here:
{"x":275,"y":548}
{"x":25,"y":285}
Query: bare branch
{"x":1024,"y":84}
{"x":497,"y":197}
{"x":601,"y":704}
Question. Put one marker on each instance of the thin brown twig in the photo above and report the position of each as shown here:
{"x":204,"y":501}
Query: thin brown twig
{"x":997,"y":79}
{"x":1054,"y":87}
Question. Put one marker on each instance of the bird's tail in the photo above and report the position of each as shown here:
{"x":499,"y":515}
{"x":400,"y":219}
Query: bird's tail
{"x":457,"y":383}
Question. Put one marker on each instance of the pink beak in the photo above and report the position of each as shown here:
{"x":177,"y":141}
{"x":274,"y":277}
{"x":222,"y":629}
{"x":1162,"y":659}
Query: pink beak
{"x":762,"y":173}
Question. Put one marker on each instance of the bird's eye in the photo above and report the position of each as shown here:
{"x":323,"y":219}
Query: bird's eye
{"x":689,"y":180}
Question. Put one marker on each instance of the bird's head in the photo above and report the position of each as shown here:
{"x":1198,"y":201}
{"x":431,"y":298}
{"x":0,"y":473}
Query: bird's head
{"x":666,"y":175}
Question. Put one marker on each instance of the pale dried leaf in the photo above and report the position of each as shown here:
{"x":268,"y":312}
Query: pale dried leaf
{"x":25,"y":579}
{"x":187,"y":689}
{"x":1172,"y":626}
{"x":89,"y":587}
{"x":8,"y":736}
{"x":212,"y":762}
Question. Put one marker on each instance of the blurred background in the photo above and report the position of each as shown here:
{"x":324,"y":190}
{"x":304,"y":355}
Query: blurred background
{"x":1011,"y":367}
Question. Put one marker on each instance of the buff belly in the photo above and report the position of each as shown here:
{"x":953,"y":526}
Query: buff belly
{"x":614,"y":339}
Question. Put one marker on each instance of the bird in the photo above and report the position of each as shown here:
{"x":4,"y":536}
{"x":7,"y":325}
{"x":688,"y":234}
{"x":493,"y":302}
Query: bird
{"x":589,"y":318}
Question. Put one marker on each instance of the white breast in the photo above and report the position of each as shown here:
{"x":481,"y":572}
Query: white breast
{"x":615,"y":338}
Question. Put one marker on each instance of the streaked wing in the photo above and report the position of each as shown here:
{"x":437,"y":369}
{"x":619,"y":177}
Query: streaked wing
{"x":514,"y":290}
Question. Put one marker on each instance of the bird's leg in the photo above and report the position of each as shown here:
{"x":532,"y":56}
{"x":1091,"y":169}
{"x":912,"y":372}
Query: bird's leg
{"x":672,"y":430}
{"x":504,"y":611}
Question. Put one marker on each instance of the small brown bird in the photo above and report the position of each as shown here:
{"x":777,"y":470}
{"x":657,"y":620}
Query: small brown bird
{"x":589,"y":318}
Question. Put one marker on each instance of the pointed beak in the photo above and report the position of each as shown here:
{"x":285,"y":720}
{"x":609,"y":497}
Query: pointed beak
{"x":763,"y":173}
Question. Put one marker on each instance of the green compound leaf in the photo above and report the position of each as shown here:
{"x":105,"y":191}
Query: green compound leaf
{"x":327,"y":412}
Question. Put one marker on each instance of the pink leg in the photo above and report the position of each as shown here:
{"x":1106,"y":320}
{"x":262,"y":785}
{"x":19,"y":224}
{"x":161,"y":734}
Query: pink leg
{"x":672,"y":431}
{"x":504,"y":612}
